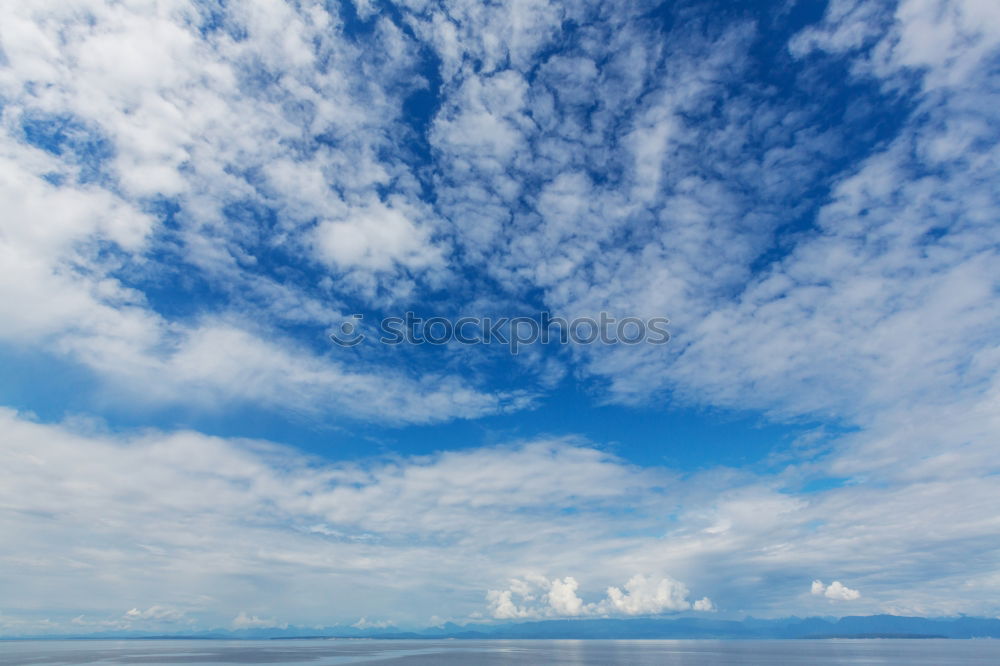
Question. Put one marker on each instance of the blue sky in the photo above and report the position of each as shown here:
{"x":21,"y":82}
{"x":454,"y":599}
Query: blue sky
{"x":196,"y":194}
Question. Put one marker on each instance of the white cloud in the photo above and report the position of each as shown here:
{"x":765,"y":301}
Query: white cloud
{"x":177,"y":516}
{"x":703,"y":605}
{"x":562,"y":597}
{"x":210,"y":527}
{"x":650,"y":596}
{"x":542,"y":597}
{"x":945,"y":42}
{"x":244,"y":621}
{"x":194,"y":118}
{"x":59,"y":294}
{"x":502,"y":606}
{"x":376,"y":237}
{"x":905,"y":243}
{"x":537,"y":596}
{"x":155,"y":612}
{"x":203,"y":118}
{"x":835,"y":590}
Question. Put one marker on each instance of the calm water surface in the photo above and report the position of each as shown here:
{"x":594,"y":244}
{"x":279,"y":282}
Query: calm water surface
{"x":445,"y":653}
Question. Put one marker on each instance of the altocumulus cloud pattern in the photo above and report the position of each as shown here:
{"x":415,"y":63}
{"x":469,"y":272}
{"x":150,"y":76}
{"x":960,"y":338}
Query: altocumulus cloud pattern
{"x":196,"y":194}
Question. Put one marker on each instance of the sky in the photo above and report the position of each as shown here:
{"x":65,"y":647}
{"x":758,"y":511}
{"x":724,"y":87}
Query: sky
{"x":196,"y":194}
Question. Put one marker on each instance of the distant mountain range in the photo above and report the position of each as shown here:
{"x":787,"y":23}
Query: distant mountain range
{"x":868,"y":626}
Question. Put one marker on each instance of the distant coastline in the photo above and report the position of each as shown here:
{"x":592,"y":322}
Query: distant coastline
{"x":814,"y":628}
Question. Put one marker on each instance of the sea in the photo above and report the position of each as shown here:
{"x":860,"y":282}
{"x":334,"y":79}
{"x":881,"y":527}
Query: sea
{"x":321,"y":652}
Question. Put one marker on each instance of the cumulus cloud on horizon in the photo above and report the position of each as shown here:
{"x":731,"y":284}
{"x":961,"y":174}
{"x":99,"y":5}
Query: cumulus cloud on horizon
{"x":537,"y":596}
{"x":154,"y":613}
{"x":835,"y":590}
{"x":245,"y":621}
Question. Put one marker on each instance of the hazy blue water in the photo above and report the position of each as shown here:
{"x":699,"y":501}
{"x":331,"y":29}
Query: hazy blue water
{"x":489,"y":653}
